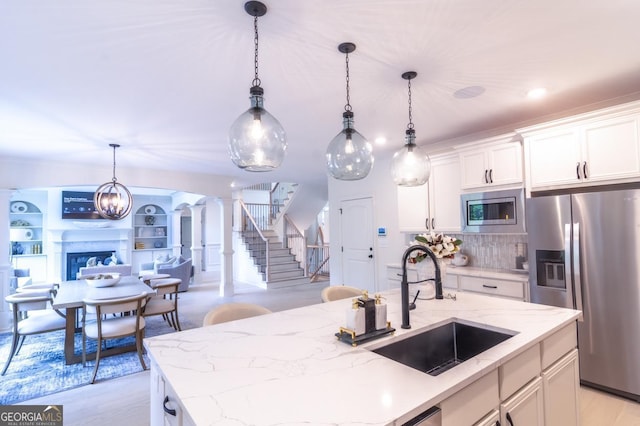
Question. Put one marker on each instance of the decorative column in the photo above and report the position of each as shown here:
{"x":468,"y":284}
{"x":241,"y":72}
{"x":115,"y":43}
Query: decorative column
{"x":176,"y":244}
{"x":196,"y":241}
{"x":5,"y":265}
{"x":212,"y":240}
{"x":226,"y":223}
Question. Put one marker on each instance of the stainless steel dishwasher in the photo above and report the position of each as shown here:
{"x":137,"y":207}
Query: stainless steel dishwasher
{"x":431,"y":417}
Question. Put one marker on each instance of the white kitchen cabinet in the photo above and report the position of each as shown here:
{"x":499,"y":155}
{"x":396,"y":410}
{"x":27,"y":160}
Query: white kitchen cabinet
{"x":512,"y":289}
{"x":394,"y":278}
{"x":561,"y":384}
{"x":473,"y":403}
{"x":524,"y":408}
{"x":491,"y":164}
{"x":578,"y":152}
{"x":434,"y":206}
{"x":492,"y":419}
{"x":444,"y":194}
{"x":165,"y":407}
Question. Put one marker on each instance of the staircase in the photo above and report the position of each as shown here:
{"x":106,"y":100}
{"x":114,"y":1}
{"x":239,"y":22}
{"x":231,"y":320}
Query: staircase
{"x":284,"y":270}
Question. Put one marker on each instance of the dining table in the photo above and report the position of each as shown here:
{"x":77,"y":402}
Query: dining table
{"x":70,"y":296}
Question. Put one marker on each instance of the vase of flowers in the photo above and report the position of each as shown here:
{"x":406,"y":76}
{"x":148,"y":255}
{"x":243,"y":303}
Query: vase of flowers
{"x":444,"y":248}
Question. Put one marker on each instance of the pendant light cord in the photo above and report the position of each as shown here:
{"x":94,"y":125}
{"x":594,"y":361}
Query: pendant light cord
{"x":410,"y":125}
{"x":114,"y":146}
{"x":347,"y":107}
{"x":256,"y":80}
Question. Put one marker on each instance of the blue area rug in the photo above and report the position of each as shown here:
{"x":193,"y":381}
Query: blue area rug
{"x":38,"y":369}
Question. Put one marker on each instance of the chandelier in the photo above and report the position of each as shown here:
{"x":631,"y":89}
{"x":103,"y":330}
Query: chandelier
{"x":349,"y":154}
{"x":112,"y":199}
{"x":257,"y":141}
{"x":410,"y":166}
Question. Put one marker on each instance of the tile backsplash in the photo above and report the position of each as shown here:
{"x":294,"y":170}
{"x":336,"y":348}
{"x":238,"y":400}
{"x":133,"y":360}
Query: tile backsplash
{"x":491,"y":251}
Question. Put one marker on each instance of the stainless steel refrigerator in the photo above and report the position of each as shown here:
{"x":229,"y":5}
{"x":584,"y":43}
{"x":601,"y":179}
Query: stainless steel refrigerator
{"x":584,"y":251}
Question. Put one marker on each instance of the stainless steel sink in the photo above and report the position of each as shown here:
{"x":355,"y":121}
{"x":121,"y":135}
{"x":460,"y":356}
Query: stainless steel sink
{"x":440,"y":349}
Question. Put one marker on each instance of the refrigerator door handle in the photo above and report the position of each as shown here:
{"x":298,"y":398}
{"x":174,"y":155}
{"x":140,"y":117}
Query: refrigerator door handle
{"x":567,"y":266}
{"x":577,"y":283}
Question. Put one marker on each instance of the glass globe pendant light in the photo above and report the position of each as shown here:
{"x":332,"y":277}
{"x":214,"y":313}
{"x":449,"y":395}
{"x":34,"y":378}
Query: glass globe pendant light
{"x":410,"y":166}
{"x":257,"y":141}
{"x":349,"y":154}
{"x":112,"y":199}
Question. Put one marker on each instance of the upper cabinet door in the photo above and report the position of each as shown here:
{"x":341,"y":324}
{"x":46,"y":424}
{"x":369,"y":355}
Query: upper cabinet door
{"x":413,"y":208}
{"x":474,"y":169}
{"x":554,"y":158}
{"x":611,"y":149}
{"x":506,"y":164}
{"x":444,"y":194}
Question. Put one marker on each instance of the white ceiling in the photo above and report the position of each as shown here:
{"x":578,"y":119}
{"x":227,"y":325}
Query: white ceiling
{"x":166,"y":78}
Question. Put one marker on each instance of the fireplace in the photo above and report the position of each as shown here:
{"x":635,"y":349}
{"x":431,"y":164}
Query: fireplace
{"x":75,"y":261}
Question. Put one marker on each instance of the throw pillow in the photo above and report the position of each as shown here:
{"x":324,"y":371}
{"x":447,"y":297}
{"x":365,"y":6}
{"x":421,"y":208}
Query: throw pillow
{"x":92,"y":261}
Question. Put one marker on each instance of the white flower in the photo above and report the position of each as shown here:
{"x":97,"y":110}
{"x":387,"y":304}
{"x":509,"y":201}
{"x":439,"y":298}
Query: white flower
{"x":441,"y":245}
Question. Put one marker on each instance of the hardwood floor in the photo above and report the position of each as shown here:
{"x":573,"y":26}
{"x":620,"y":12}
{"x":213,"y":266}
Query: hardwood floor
{"x":602,"y":409}
{"x":126,"y":400}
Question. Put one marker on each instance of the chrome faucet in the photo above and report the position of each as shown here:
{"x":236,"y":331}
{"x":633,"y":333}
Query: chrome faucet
{"x":404,"y":286}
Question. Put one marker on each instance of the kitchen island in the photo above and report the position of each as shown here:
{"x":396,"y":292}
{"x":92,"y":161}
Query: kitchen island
{"x":289,"y":368}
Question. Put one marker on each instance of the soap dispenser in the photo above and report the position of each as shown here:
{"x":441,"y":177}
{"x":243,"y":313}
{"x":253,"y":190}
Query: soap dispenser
{"x":381,"y":313}
{"x":355,"y":318}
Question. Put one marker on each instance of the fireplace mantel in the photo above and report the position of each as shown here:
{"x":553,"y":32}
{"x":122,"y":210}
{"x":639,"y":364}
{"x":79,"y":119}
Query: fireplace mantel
{"x":78,"y":240}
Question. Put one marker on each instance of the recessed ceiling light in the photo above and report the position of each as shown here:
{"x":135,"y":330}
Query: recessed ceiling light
{"x":469,"y":92}
{"x":537,"y":93}
{"x":380,"y":140}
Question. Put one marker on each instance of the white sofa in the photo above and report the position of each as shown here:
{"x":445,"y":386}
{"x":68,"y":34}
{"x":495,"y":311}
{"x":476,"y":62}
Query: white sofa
{"x":123,"y":269}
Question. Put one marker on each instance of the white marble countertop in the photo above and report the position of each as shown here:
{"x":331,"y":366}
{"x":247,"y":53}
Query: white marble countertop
{"x":472,"y":271}
{"x":288,"y":368}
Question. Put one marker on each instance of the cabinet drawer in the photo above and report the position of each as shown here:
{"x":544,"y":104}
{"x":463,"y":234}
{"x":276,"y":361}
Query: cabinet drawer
{"x":558,"y":344}
{"x":518,"y":371}
{"x":394,"y":274}
{"x":512,"y":289}
{"x":450,"y":281}
{"x":471,"y":403}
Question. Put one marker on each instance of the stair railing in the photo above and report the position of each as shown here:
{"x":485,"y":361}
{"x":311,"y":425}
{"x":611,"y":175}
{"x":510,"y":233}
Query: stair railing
{"x":295,"y":241}
{"x":252,"y":229}
{"x":318,"y":261}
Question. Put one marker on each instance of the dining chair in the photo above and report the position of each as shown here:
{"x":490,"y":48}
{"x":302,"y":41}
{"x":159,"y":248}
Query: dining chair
{"x":337,"y":292}
{"x":32,"y":314}
{"x":165,"y":301}
{"x":233,"y":311}
{"x":37,"y":287}
{"x":106,"y":326}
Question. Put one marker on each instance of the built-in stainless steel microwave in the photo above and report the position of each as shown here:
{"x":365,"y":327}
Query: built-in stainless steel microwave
{"x":493,"y":212}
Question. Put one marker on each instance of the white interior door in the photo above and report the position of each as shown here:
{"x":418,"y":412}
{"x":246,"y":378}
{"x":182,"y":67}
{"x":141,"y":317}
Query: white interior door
{"x":358,"y":262}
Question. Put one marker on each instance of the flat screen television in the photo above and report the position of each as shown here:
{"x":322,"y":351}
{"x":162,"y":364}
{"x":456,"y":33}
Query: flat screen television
{"x":78,"y":205}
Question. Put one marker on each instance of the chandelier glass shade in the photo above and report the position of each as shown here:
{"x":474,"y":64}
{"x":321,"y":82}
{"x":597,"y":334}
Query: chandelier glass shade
{"x":257,"y":140}
{"x":349,"y":154}
{"x":410,"y":165}
{"x":113,"y":200}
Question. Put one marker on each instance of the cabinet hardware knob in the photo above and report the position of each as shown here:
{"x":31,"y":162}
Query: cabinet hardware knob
{"x":485,"y":176}
{"x":509,"y":419}
{"x":584,"y":171}
{"x":490,"y":175}
{"x":489,"y":286}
